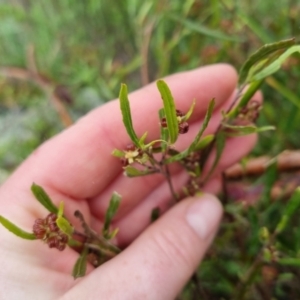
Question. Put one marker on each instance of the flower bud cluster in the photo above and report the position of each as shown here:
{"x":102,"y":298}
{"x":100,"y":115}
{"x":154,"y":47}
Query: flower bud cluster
{"x":131,"y":154}
{"x":183,"y":126}
{"x":48,"y":231}
{"x":248,"y":114}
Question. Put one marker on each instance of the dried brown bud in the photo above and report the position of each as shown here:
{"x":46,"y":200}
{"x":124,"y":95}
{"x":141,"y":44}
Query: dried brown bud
{"x":53,"y":227}
{"x":163,"y":123}
{"x":179,"y":113}
{"x":51,"y":222}
{"x":53,"y":242}
{"x":58,"y":241}
{"x":248,"y":114}
{"x":130,"y":147}
{"x":183,"y":127}
{"x":51,"y":218}
{"x":124,"y":161}
{"x":39,"y":228}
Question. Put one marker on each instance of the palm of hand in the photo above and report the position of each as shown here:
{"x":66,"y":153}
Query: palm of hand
{"x":77,"y":167}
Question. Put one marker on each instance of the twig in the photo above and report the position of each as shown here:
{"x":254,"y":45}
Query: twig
{"x":199,"y":293}
{"x":169,"y":180}
{"x":285,"y":161}
{"x":94,"y":239}
{"x":248,"y":279}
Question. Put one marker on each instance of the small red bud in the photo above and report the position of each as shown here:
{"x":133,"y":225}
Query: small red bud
{"x":130,"y":147}
{"x":52,"y":242}
{"x":183,"y":127}
{"x":51,"y":218}
{"x":124,"y":161}
{"x":179,"y":113}
{"x":163,"y":123}
{"x":39,"y":228}
{"x":53,"y":227}
{"x":47,"y":230}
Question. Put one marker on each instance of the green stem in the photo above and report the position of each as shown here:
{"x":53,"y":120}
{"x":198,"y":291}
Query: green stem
{"x":248,"y":279}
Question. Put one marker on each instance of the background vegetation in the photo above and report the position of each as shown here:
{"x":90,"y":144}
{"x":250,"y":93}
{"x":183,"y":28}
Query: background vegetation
{"x":60,"y":59}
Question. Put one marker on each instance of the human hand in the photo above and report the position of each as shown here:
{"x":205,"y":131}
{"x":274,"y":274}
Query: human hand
{"x":76,"y":167}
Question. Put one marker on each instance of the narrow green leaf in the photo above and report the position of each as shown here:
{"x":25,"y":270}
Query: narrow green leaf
{"x":142,"y":139}
{"x":198,"y":27}
{"x":170,"y":110}
{"x":79,"y":268}
{"x":194,"y":144}
{"x":190,"y":111}
{"x":292,"y":206}
{"x":110,"y":212}
{"x":289,"y":261}
{"x":204,"y":141}
{"x":261,"y":54}
{"x":268,"y":181}
{"x":64,"y":225}
{"x":43,"y":198}
{"x":131,"y":171}
{"x":204,"y":125}
{"x":113,"y":233}
{"x":126,"y":114}
{"x":61,"y":209}
{"x":156,"y":142}
{"x":244,"y":130}
{"x":16,"y":230}
{"x":259,"y":30}
{"x":275,"y":65}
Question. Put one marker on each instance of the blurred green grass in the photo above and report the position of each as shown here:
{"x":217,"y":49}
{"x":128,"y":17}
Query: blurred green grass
{"x":91,"y":46}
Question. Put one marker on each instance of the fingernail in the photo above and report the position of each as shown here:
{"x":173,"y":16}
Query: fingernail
{"x":204,"y":215}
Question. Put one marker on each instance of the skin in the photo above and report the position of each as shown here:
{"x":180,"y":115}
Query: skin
{"x":76,"y":166}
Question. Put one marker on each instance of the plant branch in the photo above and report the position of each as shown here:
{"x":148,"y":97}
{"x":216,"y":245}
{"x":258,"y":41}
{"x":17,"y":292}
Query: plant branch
{"x":248,"y":278}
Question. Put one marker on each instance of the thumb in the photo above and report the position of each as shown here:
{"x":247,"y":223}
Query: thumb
{"x":157,"y":264}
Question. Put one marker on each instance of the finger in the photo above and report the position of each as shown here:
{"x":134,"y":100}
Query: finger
{"x":160,"y":262}
{"x":78,"y":162}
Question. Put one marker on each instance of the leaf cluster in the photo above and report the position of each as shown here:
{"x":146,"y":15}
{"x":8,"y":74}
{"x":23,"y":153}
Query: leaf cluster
{"x":92,"y":247}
